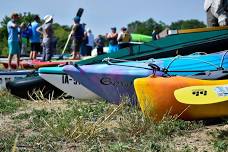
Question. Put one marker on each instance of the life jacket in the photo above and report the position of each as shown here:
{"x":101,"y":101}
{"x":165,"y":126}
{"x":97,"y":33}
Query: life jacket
{"x":79,"y":32}
{"x":126,"y":37}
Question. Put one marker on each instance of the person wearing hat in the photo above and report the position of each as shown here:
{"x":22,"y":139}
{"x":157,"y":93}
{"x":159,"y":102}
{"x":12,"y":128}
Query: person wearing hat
{"x":124,"y":37}
{"x":13,"y":39}
{"x":35,"y":38}
{"x":100,"y":43}
{"x":77,"y":33}
{"x":48,"y":37}
{"x":112,"y":38}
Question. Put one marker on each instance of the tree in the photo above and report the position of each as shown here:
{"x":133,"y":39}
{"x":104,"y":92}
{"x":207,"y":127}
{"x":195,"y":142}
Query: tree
{"x":61,"y":32}
{"x":25,"y":17}
{"x":187,"y":24}
{"x":145,"y":27}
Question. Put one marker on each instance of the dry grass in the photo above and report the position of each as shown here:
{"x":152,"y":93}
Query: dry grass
{"x":71,"y":125}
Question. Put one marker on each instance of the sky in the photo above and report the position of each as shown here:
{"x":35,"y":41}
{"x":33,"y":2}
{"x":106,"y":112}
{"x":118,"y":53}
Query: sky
{"x":100,"y":15}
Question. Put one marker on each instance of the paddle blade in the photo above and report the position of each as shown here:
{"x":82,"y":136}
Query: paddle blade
{"x":80,"y":12}
{"x":198,"y":95}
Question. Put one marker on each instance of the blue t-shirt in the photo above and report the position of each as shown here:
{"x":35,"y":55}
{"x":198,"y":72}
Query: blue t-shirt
{"x":35,"y":37}
{"x":12,"y":31}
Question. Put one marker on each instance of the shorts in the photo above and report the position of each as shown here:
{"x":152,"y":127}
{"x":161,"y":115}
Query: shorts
{"x":76,"y":45}
{"x":13,"y":47}
{"x":36,"y":47}
{"x":89,"y":50}
{"x":100,"y":51}
{"x":47,"y":49}
{"x":113,"y":48}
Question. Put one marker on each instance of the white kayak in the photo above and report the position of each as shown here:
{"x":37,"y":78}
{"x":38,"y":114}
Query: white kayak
{"x":68,"y":85}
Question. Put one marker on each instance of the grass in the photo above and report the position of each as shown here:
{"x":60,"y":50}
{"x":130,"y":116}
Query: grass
{"x":91,"y":126}
{"x":220,"y":140}
{"x":8,"y":103}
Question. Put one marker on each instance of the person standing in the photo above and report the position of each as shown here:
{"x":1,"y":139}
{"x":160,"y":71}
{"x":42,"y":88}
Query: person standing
{"x":48,"y":36}
{"x":100,"y":43}
{"x":24,"y":35}
{"x":35,"y":38}
{"x":124,"y":37}
{"x":155,"y":33}
{"x":112,"y":38}
{"x":13,"y":40}
{"x":77,"y":33}
{"x":216,"y":12}
{"x":83,"y":48}
{"x":90,"y":44}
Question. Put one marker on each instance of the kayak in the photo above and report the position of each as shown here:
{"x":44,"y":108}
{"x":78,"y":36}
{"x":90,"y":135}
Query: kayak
{"x":156,"y":98}
{"x":66,"y":83}
{"x":113,"y":81}
{"x":30,"y":86}
{"x":140,"y":38}
{"x":6,"y":76}
{"x":29,"y":64}
{"x":121,"y":46}
{"x":207,"y":40}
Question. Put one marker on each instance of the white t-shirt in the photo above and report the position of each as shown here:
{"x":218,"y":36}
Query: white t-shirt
{"x":215,"y":5}
{"x":90,"y":40}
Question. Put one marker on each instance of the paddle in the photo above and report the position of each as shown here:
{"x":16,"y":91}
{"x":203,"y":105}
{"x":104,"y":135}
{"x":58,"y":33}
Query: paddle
{"x":198,"y":95}
{"x":79,"y":14}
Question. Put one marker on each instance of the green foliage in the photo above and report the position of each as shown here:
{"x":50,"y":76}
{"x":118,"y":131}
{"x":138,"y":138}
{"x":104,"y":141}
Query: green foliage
{"x":25,"y":17}
{"x":187,"y":24}
{"x":61,"y":33}
{"x":145,"y":27}
{"x":220,"y":141}
{"x":8,"y":104}
{"x":6,"y":142}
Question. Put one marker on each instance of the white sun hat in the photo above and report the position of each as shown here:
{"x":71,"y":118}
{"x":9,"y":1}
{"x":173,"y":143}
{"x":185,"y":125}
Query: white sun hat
{"x":48,"y":18}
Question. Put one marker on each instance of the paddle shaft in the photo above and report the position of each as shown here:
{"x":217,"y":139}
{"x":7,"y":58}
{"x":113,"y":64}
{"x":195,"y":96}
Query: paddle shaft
{"x":66,"y":43}
{"x":79,"y":14}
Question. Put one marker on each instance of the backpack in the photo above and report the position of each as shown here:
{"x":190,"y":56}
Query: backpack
{"x":126,"y":37}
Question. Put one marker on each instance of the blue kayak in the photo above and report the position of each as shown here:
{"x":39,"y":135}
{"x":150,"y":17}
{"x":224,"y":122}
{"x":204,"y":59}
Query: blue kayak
{"x":114,"y":80}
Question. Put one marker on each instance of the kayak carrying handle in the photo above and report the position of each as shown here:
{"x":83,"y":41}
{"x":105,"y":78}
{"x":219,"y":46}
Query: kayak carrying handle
{"x":108,"y":60}
{"x":222,"y":60}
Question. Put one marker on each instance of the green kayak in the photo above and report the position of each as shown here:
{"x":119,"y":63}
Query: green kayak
{"x":141,"y":38}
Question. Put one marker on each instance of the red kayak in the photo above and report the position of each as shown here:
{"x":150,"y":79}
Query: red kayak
{"x":28,"y":64}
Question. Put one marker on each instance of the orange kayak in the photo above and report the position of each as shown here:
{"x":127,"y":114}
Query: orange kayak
{"x":156,"y":98}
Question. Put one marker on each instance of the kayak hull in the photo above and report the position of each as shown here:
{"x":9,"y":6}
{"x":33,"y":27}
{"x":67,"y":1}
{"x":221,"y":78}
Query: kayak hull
{"x":6,"y":76}
{"x":157,"y":101}
{"x":30,"y":86}
{"x":68,"y":85}
{"x":115,"y":81}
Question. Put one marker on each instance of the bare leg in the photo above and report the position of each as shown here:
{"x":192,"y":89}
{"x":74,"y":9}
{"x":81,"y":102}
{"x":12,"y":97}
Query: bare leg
{"x":73,"y":55}
{"x":18,"y":60}
{"x":10,"y":57}
{"x":34,"y":55}
{"x":31,"y":55}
